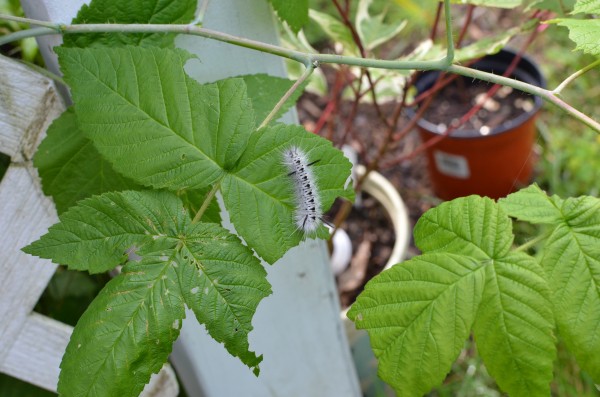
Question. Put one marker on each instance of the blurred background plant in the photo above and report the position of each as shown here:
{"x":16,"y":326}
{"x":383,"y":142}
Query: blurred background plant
{"x":25,"y":49}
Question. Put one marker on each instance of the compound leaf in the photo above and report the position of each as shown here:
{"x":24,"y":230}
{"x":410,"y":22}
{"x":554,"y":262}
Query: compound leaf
{"x":223,"y":283}
{"x":571,"y":258}
{"x":418,"y":315}
{"x":71,"y":168}
{"x":96,"y":234}
{"x":215,"y":274}
{"x":127,"y":12}
{"x":295,"y":13}
{"x":127,"y":332}
{"x":467,"y":275}
{"x":259,"y":193}
{"x":153,"y":122}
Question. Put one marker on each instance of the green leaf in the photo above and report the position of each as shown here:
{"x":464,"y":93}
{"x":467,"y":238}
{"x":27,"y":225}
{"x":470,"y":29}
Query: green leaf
{"x":127,"y":333}
{"x":571,"y":258}
{"x":223,"y":283}
{"x":584,"y":32}
{"x":491,"y":3}
{"x":259,"y":193}
{"x":423,"y":309}
{"x":295,"y":13}
{"x":265,"y":91}
{"x":131,"y":11}
{"x":587,"y":6}
{"x":71,"y":168}
{"x":96,"y":234}
{"x":202,"y":264}
{"x":561,"y":7}
{"x":471,"y":226}
{"x":531,"y":204}
{"x":418,"y":315}
{"x":153,"y":122}
{"x":514,"y":326}
{"x":372,"y":29}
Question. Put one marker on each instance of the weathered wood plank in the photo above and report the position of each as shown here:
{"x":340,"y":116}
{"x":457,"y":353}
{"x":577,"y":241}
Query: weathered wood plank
{"x":25,"y":214}
{"x":28,"y":104}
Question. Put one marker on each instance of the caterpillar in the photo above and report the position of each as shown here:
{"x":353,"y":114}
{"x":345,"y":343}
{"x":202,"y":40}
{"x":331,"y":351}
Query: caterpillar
{"x":307,"y":215}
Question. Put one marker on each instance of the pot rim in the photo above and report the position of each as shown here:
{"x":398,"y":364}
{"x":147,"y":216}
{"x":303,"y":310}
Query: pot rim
{"x":534,"y":75}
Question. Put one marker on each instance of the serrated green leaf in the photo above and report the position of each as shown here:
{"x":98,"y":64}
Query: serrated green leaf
{"x":471,"y":226}
{"x":469,"y":238}
{"x":584,"y":32}
{"x":265,"y":91}
{"x":418,"y":315}
{"x":531,"y":204}
{"x":514,"y":326}
{"x":96,"y":234}
{"x":259,"y":193}
{"x":153,"y":122}
{"x":127,"y":333}
{"x":71,"y":168}
{"x":572,"y":260}
{"x":490,"y":3}
{"x":372,"y":29}
{"x":295,"y":13}
{"x":587,"y":6}
{"x":223,"y":283}
{"x":131,"y":11}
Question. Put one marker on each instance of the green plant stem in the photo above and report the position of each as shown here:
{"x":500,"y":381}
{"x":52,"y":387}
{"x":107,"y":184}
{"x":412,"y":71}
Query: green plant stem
{"x":307,"y":72}
{"x":25,"y":34}
{"x":29,"y":21}
{"x":444,"y":64}
{"x":575,"y":75}
{"x":207,"y":200}
{"x":533,"y":242}
{"x":298,"y":56}
{"x":545,"y":94}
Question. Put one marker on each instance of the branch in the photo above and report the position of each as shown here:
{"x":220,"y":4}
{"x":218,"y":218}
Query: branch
{"x":307,"y":72}
{"x":575,"y":75}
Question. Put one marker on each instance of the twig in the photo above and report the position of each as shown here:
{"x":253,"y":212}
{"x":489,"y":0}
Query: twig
{"x":575,"y":75}
{"x":307,"y":72}
{"x":207,"y":200}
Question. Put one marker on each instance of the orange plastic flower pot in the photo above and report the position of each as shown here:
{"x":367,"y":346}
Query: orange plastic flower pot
{"x":492,"y":165}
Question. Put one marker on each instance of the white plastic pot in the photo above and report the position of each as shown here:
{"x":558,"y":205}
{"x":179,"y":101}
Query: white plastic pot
{"x":364,"y":359}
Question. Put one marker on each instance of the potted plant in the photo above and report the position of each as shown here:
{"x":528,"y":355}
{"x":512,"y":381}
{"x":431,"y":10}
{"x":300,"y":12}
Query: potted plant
{"x":491,"y":153}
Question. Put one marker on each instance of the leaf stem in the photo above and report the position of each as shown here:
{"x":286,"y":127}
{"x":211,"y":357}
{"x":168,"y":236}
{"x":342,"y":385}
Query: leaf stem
{"x":533,"y":242}
{"x":575,"y":75}
{"x":307,"y":72}
{"x":24,"y":34}
{"x":207,"y":200}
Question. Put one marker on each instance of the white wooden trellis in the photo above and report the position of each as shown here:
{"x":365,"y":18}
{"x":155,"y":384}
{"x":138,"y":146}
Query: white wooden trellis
{"x":32,"y":345}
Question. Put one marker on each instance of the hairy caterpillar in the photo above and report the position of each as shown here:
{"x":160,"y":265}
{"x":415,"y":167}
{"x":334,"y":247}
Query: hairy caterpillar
{"x":308,"y":206}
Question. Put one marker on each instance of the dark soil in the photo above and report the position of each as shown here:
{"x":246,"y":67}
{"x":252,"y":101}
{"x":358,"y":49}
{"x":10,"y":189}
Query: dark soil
{"x":460,"y":96}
